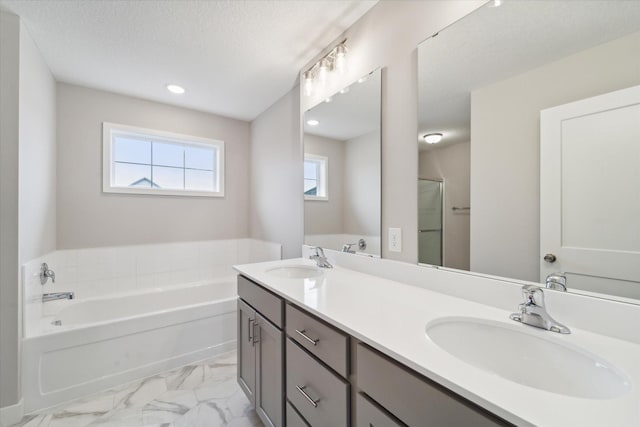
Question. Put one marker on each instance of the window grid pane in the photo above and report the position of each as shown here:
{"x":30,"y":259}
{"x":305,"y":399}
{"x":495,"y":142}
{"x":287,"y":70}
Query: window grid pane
{"x":151,"y":163}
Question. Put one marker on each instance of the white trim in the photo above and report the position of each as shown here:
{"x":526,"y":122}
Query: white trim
{"x":323,"y":177}
{"x":10,"y":415}
{"x":107,"y":187}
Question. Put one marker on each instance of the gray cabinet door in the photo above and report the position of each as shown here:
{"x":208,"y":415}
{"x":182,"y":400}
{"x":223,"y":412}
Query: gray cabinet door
{"x":269,"y":373}
{"x":246,"y":350}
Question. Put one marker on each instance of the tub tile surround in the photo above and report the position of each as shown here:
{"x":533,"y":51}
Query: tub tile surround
{"x":200,"y":394}
{"x":387,"y":305}
{"x":106,"y":271}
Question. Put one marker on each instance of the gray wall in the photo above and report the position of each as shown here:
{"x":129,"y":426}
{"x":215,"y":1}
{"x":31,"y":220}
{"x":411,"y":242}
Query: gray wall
{"x":276,"y":175}
{"x":362,"y":185}
{"x":452,"y":164}
{"x":505,"y":129}
{"x":387,"y":36}
{"x":327,"y":216}
{"x":9,"y":279}
{"x":87,"y":217}
{"x":37,"y":153}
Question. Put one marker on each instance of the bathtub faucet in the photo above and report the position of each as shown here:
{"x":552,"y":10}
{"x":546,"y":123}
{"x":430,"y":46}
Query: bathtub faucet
{"x":57,"y":295}
{"x":46,"y":273}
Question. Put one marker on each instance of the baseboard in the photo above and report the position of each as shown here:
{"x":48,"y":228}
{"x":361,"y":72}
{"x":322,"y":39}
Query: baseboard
{"x":10,"y":415}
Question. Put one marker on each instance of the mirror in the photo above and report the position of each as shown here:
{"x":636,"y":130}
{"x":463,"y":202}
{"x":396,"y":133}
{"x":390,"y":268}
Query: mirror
{"x":342,"y":169}
{"x":529,"y":145}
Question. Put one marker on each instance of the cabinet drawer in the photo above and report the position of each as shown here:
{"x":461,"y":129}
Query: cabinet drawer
{"x":268,"y":304}
{"x":294,"y":419}
{"x":320,"y":396}
{"x":413,"y":399}
{"x":369,"y":415}
{"x":320,"y":339}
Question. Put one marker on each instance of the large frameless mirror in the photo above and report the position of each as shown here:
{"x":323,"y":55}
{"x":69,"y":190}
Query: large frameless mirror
{"x":529,"y":145}
{"x":342,"y":169}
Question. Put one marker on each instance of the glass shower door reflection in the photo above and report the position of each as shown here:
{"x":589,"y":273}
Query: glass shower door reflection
{"x":430,"y":194}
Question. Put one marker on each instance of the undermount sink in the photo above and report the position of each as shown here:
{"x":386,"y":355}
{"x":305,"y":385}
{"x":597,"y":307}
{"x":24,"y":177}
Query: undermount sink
{"x":527,"y":358}
{"x":296,"y":272}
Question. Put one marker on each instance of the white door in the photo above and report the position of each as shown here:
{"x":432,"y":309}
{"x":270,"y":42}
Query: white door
{"x":590,"y":193}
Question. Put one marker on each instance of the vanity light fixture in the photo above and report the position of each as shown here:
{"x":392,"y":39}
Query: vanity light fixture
{"x":313,"y":122}
{"x":308,"y":83}
{"x":341,"y":58}
{"x":432,"y":138}
{"x":178,"y":90}
{"x":334,"y":60}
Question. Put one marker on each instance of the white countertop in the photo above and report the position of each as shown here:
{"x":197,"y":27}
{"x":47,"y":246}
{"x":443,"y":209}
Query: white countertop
{"x":391,"y":316}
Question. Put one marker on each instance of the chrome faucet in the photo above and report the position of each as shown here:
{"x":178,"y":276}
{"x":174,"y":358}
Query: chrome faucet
{"x":57,"y":295}
{"x":362,"y":245}
{"x":46,"y":273}
{"x":557,"y":282}
{"x":320,"y":258}
{"x":533,"y":312}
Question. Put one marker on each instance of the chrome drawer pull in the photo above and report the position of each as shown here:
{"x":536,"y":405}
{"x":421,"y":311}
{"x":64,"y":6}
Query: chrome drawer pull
{"x":304,"y":393}
{"x":306,"y":337}
{"x":249,"y":320}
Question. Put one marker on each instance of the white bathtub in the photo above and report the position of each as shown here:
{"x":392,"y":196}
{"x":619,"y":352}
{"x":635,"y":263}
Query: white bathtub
{"x":103,"y":342}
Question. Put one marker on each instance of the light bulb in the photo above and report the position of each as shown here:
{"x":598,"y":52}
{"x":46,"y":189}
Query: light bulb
{"x":341,"y":58}
{"x":308,"y":83}
{"x":323,"y":70}
{"x":433,"y":138}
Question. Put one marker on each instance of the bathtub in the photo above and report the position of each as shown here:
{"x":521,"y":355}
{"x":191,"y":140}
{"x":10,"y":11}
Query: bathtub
{"x":84,"y":346}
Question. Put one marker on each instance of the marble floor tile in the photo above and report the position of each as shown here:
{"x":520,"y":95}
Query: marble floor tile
{"x":203,"y":394}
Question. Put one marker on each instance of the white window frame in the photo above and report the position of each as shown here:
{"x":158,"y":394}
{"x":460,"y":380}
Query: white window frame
{"x":322,"y":177}
{"x":109,"y":130}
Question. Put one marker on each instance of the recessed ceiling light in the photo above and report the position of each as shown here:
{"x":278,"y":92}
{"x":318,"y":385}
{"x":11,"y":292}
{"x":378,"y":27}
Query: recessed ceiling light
{"x":313,"y":122}
{"x":495,"y":3}
{"x":328,"y":100}
{"x":175,"y":89}
{"x":344,"y":90}
{"x":433,"y":138}
{"x":362,"y":79}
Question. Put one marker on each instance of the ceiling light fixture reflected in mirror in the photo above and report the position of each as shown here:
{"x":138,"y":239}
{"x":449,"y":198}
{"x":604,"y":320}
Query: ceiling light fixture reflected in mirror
{"x":432,"y":138}
{"x":178,"y":90}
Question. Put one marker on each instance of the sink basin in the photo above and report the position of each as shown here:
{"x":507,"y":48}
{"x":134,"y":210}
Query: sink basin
{"x":296,"y":272}
{"x":528,"y":358}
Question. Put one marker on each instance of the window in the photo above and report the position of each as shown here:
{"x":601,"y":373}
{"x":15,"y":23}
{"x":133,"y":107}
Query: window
{"x":315,"y":177}
{"x":145,"y":161}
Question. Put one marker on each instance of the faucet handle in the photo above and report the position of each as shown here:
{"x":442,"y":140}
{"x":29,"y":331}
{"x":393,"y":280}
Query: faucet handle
{"x":319,"y":251}
{"x":533,"y":295}
{"x":557,"y":281}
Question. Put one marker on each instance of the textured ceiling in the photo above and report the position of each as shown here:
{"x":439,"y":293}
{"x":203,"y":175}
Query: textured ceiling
{"x":235,"y":58}
{"x":495,"y":43}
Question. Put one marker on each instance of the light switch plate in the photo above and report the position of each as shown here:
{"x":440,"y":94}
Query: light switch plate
{"x":395,"y":240}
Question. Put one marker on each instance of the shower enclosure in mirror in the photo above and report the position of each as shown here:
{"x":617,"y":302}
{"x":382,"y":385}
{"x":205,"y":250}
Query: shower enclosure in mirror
{"x":430,"y":224}
{"x":342,"y":169}
{"x":529,"y":115}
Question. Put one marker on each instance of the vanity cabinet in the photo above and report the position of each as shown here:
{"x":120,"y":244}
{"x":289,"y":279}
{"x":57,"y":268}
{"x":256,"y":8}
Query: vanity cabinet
{"x":332,"y":379}
{"x":261,"y":350}
{"x":412,"y":398}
